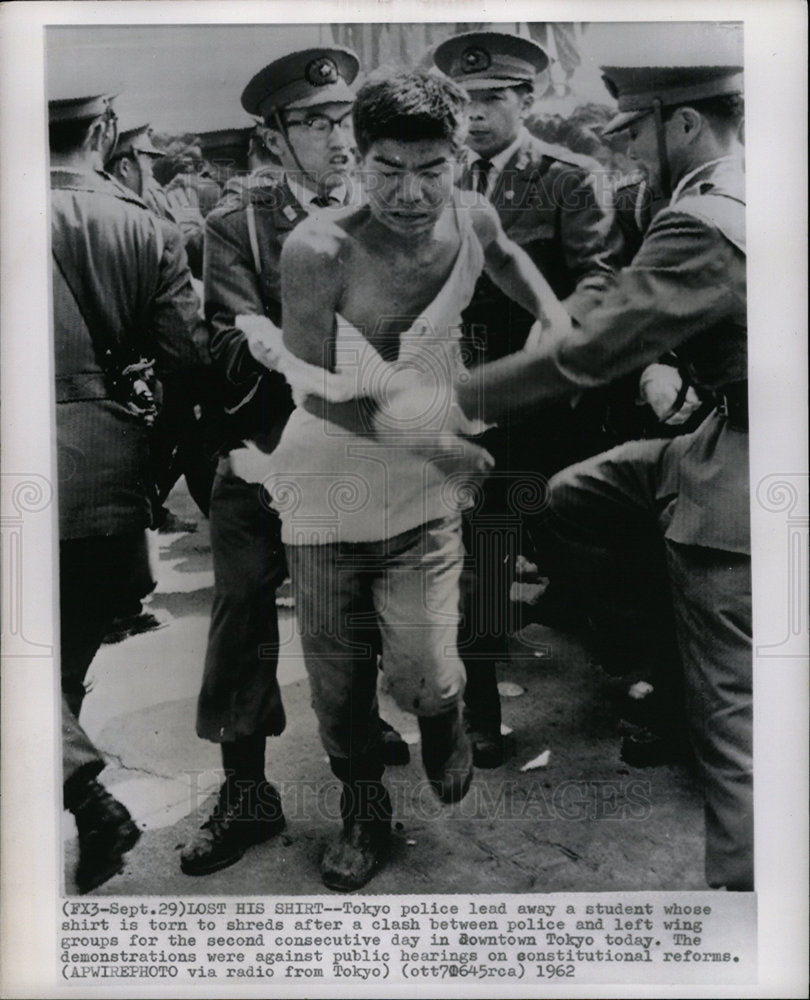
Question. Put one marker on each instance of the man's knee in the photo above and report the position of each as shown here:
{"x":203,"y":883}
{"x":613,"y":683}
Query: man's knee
{"x":427,"y":689}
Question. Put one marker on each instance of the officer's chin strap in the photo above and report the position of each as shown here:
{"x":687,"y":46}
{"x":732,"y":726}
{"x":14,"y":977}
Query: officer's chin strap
{"x":141,"y":178}
{"x":661,"y":139}
{"x":110,"y":119}
{"x":281,"y":127}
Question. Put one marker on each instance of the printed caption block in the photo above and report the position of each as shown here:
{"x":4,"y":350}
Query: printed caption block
{"x":654,"y":937}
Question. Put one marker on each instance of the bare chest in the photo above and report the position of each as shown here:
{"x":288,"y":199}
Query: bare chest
{"x":385,"y":294}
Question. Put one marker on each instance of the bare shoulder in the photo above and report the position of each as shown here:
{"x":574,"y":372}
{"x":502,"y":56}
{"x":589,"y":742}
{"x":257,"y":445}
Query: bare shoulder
{"x":483,"y":216}
{"x":315,"y":242}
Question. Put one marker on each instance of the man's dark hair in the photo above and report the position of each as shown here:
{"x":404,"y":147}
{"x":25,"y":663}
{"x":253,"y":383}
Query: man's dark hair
{"x":725,"y":113}
{"x":523,"y":89}
{"x":409,"y":106}
{"x":67,"y":137}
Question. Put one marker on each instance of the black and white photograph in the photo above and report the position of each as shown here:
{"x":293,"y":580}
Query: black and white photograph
{"x":395,"y":398}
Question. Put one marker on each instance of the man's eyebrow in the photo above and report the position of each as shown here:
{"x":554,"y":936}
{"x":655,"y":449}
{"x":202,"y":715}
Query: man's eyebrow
{"x":422,"y":166}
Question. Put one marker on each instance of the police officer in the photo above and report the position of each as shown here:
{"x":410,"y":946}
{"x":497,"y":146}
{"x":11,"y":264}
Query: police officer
{"x":549,"y":207}
{"x":132,"y":164}
{"x":667,"y":521}
{"x":181,"y":442}
{"x":305,"y":101}
{"x":122,"y":300}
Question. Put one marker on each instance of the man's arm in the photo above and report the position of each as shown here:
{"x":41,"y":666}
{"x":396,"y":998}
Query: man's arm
{"x":512,"y":270}
{"x":685,"y":279}
{"x":175,"y":323}
{"x":590,"y":235}
{"x":311,"y":285}
{"x":232,"y":289}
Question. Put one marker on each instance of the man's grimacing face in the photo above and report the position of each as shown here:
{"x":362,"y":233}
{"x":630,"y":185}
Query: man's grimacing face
{"x":408,"y":184}
{"x":325,"y":157}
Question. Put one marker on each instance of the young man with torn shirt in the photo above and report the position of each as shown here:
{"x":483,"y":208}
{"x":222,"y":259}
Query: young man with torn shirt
{"x":370,"y":517}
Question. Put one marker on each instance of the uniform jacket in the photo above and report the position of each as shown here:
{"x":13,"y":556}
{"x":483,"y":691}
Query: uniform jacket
{"x":636,"y":205}
{"x":685,"y":290}
{"x":124,"y":272}
{"x":550,"y":207}
{"x":242,"y":275}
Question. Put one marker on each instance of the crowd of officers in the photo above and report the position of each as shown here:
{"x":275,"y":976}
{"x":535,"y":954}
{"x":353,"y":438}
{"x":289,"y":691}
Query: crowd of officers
{"x":648,"y":540}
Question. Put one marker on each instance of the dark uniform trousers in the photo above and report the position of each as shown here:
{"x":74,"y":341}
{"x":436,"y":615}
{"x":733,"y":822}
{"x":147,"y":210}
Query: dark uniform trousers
{"x":610,"y":515}
{"x":244,"y":699}
{"x":120,"y":281}
{"x":548,"y":206}
{"x":98,"y":577}
{"x":240,"y":697}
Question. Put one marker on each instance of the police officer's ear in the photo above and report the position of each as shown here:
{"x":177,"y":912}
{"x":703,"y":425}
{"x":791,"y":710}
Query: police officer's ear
{"x":274,"y":141}
{"x":96,"y":135}
{"x":125,"y":168}
{"x":688,"y":123}
{"x":526,"y":95}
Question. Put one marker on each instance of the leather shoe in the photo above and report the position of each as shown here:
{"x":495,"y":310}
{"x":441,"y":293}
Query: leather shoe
{"x":644,"y":747}
{"x":246,"y":813}
{"x":363,"y":844}
{"x":124,"y":628}
{"x":488,"y":749}
{"x":447,"y":755}
{"x":351,"y":860}
{"x":106,"y":832}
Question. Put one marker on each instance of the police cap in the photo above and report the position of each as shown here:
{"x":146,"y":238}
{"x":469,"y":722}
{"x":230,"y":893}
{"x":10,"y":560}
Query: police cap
{"x":637,"y":88}
{"x":488,"y":60}
{"x":137,"y":140}
{"x":79,"y":109}
{"x":302,"y":79}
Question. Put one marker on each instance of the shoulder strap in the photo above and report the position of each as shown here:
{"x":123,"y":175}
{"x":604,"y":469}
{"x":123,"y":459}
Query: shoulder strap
{"x":723,"y":211}
{"x":250,"y":212}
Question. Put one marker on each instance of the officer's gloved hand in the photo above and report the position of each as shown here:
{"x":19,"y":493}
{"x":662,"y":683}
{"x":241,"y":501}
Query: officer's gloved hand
{"x":264,"y":339}
{"x":661,"y":387}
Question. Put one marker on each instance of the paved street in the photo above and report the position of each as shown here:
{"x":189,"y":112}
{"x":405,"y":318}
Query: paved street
{"x":585,"y":821}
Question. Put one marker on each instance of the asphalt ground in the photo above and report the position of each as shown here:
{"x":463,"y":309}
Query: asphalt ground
{"x":585,"y":821}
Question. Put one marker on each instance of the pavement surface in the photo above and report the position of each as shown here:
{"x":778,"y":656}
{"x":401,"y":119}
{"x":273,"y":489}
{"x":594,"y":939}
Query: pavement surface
{"x":585,"y":821}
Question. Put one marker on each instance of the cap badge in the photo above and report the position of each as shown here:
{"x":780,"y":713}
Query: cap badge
{"x":321,"y":72}
{"x":475,"y":60}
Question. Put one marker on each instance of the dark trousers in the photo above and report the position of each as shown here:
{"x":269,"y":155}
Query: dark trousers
{"x":609,"y":515}
{"x":527,"y":452}
{"x":492,"y":542}
{"x":240,"y":696}
{"x":98,"y":577}
{"x":186,"y":436}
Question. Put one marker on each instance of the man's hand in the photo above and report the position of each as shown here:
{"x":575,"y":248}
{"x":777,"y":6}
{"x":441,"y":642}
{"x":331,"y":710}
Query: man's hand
{"x":421,"y":411}
{"x":661,"y":387}
{"x":264,"y":339}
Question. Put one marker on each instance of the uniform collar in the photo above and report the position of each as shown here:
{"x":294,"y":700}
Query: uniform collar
{"x":499,"y":160}
{"x":710,"y":166}
{"x":305,"y":196}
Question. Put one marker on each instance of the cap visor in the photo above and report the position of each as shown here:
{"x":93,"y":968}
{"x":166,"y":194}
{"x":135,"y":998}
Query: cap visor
{"x":489,"y":83}
{"x":623,"y":120}
{"x":335,"y":93}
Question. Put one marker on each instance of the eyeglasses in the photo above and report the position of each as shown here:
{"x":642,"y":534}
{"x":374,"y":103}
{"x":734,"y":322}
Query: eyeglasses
{"x":322,"y":125}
